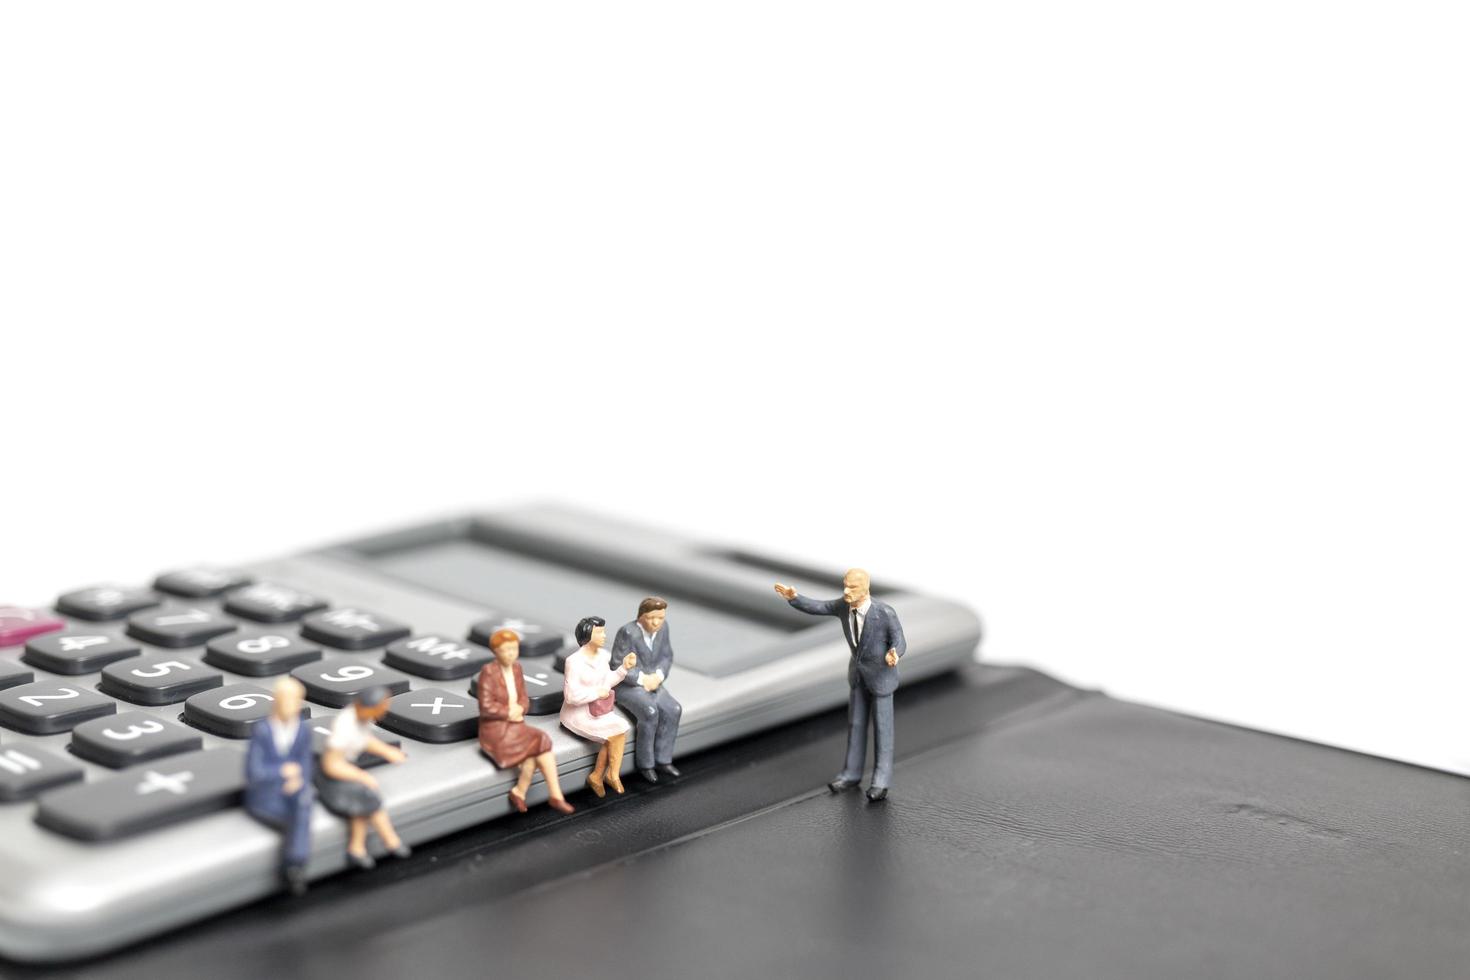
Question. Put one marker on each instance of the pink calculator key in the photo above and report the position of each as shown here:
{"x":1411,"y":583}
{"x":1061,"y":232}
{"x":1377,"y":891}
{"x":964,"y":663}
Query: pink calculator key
{"x":18,"y":624}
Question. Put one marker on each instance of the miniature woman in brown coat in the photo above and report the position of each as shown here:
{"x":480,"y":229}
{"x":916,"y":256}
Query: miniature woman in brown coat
{"x":504,"y":735}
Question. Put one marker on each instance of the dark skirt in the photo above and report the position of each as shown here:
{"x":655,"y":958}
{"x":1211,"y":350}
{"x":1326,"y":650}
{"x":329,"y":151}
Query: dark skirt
{"x":346,"y":798}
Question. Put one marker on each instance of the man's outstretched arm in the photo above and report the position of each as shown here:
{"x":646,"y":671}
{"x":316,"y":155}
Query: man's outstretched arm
{"x":812,"y":607}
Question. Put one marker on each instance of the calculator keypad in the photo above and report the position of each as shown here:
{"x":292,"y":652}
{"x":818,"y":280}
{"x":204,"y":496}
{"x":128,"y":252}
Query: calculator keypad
{"x":231,"y":710}
{"x":18,"y":624}
{"x":158,"y":678}
{"x":47,"y":707}
{"x":28,"y":770}
{"x":147,"y":796}
{"x":335,"y":681}
{"x":178,"y":626}
{"x":267,"y":602}
{"x":103,"y":603}
{"x":432,"y":714}
{"x":201,"y":582}
{"x":348,"y":628}
{"x":543,"y":685}
{"x":78,"y":651}
{"x":436,"y":657}
{"x":131,"y":737}
{"x":260,"y":653}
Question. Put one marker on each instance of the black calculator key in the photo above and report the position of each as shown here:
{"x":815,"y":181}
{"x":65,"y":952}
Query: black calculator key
{"x":200,"y":582}
{"x":101,"y":603}
{"x":131,"y":737}
{"x":78,"y":651}
{"x":152,"y":795}
{"x":336,"y":680}
{"x":178,"y":626}
{"x":28,"y":770}
{"x":12,"y":673}
{"x":232,"y":710}
{"x":267,"y":602}
{"x":46,"y":707}
{"x":321,"y":730}
{"x":437,"y":657}
{"x":433,"y":715}
{"x":352,"y":629}
{"x":158,"y":678}
{"x":536,"y":640}
{"x":543,"y":685}
{"x":260,"y":653}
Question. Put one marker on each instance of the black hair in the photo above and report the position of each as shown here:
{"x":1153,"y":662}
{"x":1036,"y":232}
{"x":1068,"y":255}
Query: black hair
{"x":585,"y":628}
{"x":372,"y":696}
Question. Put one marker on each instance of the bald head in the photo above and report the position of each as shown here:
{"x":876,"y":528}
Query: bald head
{"x":855,"y":587}
{"x":289,"y":695}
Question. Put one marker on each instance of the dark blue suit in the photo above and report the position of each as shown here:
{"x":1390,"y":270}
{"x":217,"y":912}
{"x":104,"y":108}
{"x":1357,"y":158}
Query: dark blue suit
{"x":871,"y":679}
{"x":264,"y":799}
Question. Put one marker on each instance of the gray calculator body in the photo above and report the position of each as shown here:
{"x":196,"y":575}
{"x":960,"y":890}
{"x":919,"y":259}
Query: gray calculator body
{"x":744,"y":661}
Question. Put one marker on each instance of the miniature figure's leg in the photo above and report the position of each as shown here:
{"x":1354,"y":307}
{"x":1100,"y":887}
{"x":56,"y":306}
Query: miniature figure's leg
{"x":669,"y":713}
{"x":523,"y":782}
{"x":644,"y":709}
{"x":615,"y":761}
{"x":882,"y":739}
{"x":546,"y":762}
{"x":297,"y":827}
{"x":385,"y":830}
{"x":357,"y":835}
{"x":594,"y":778}
{"x":857,"y":734}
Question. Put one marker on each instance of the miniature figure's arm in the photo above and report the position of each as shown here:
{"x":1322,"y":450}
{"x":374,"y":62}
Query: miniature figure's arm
{"x":336,"y":766}
{"x":623,"y":645}
{"x":383,"y":750}
{"x":257,"y":769}
{"x":896,"y":645}
{"x":492,"y":708}
{"x":817,"y":607}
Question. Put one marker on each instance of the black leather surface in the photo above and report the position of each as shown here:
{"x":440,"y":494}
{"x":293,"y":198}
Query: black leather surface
{"x":1034,"y":831}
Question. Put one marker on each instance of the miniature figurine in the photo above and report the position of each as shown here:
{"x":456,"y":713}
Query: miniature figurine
{"x":642,"y":694}
{"x":351,"y":792}
{"x":871,"y":627}
{"x":278,"y":772}
{"x":587,"y":702}
{"x":504,"y":735}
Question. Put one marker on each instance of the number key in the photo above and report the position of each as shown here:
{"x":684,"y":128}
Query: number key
{"x":46,"y":707}
{"x":178,"y":626}
{"x":335,"y":681}
{"x":101,"y":603}
{"x":232,"y":710}
{"x":129,"y":737}
{"x":159,"y":678}
{"x":75,"y":652}
{"x":259,"y":654}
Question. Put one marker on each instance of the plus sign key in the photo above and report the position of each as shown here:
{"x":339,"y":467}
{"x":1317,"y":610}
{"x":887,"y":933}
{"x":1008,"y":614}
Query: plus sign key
{"x":433,"y":715}
{"x":352,"y":629}
{"x":147,"y":796}
{"x":18,"y":624}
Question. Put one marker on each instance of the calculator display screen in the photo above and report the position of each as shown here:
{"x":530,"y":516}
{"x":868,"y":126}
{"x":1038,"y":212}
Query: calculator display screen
{"x":550,"y":593}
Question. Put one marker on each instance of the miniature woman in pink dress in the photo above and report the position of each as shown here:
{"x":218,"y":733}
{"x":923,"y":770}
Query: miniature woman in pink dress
{"x":587,"y":701}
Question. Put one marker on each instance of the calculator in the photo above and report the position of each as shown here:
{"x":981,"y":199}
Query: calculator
{"x":124,"y":708}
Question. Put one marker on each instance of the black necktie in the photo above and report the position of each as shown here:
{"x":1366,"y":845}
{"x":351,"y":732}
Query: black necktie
{"x":855,"y":636}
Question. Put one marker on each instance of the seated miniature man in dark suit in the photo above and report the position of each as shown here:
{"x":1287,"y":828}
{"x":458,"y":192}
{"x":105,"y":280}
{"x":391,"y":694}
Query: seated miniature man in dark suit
{"x":278,"y":771}
{"x":642,"y":693}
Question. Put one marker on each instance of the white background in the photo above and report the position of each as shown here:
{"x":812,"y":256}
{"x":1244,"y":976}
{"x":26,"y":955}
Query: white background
{"x":1140,"y":326}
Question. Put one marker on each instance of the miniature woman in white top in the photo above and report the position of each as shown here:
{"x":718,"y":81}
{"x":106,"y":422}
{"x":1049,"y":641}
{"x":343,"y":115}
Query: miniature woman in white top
{"x":587,"y":701}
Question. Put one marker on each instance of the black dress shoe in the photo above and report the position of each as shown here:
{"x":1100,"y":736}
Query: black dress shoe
{"x":401,"y":851}
{"x":649,"y":775}
{"x":839,"y":784}
{"x":295,"y":877}
{"x":877,"y":794}
{"x":668,"y":769}
{"x":364,"y":862}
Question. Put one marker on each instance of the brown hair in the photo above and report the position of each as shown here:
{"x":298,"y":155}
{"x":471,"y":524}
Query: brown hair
{"x":650,"y":604}
{"x":503,"y":636}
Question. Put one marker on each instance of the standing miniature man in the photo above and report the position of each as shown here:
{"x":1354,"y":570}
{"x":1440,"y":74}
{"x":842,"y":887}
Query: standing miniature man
{"x":871,"y":627}
{"x":642,"y":693}
{"x":278,"y":778}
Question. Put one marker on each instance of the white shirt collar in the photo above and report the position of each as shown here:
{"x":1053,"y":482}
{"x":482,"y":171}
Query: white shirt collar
{"x":863,"y":609}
